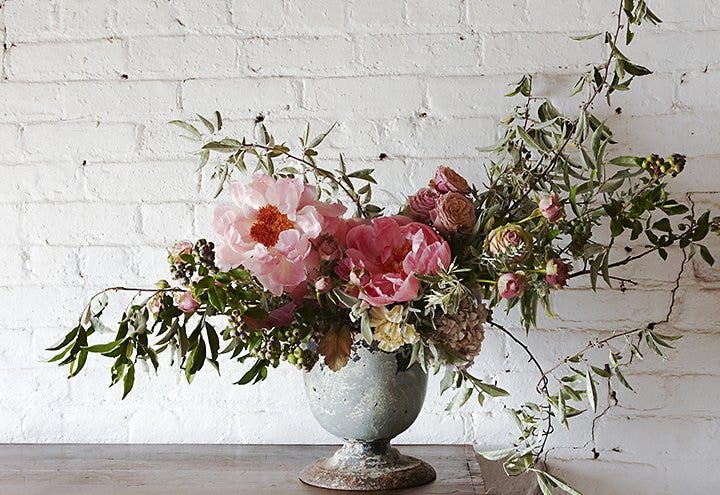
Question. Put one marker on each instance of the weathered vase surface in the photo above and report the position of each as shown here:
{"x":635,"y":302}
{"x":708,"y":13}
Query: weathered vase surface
{"x":375,"y":396}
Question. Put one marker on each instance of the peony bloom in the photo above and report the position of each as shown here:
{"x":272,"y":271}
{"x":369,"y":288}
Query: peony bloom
{"x":180,"y":248}
{"x":270,"y":230}
{"x":556,"y":273}
{"x":391,"y":331}
{"x":382,"y":258}
{"x":453,"y":213}
{"x":447,"y":180}
{"x":550,"y":208}
{"x":511,"y":285}
{"x":186,"y":302}
{"x":511,"y":241}
{"x":423,"y":202}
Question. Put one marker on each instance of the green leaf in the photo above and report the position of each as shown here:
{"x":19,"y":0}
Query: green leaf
{"x":218,"y":120}
{"x":496,"y":455}
{"x":128,"y":379}
{"x":584,"y":37}
{"x":320,"y":138}
{"x":544,"y":486}
{"x":492,"y":390}
{"x":561,"y":484}
{"x":104,"y":347}
{"x":591,"y":391}
{"x":460,"y":398}
{"x":187,"y":127}
{"x":217,"y":297}
{"x":208,"y":125}
{"x":251,"y":373}
{"x":705,"y":254}
{"x":68,"y":338}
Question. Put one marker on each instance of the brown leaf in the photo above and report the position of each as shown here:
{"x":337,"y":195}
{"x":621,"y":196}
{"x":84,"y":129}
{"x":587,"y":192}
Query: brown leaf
{"x":335,"y":346}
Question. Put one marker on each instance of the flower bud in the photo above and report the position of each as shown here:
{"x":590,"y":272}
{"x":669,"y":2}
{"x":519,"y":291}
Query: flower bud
{"x":551,"y":208}
{"x":180,"y":248}
{"x":323,"y":284}
{"x":511,"y":241}
{"x":511,"y":285}
{"x":447,"y":180}
{"x":556,"y":273}
{"x":186,"y":302}
{"x":423,"y":202}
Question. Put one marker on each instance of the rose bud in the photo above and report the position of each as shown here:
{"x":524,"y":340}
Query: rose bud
{"x":511,"y":241}
{"x":180,"y":248}
{"x":186,"y":302}
{"x":154,"y":304}
{"x":551,"y":208}
{"x":556,"y":273}
{"x":453,"y":213}
{"x":511,"y":285}
{"x":447,"y":180}
{"x":323,"y":284}
{"x":423,"y":202}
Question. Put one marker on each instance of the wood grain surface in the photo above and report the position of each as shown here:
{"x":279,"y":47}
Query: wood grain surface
{"x":203,"y":469}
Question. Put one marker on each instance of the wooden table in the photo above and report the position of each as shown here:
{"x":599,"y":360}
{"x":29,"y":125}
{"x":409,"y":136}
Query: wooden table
{"x":204,"y":469}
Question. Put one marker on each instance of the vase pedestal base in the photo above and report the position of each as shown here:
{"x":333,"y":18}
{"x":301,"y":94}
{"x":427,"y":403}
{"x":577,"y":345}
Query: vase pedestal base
{"x":367,"y":466}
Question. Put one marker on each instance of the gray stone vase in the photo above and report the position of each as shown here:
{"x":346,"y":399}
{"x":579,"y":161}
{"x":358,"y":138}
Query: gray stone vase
{"x":374,"y":398}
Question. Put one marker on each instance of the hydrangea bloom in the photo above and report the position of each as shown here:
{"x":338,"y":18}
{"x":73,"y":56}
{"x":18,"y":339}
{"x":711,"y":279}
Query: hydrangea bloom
{"x":382,"y":257}
{"x":270,"y":230}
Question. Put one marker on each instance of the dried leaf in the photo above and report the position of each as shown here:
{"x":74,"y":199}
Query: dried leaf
{"x":335,"y":347}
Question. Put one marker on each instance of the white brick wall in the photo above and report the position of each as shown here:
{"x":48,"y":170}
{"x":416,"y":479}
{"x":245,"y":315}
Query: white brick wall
{"x":93,"y":183}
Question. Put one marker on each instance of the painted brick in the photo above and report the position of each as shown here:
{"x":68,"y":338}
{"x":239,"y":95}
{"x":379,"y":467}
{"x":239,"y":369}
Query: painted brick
{"x":121,"y":101}
{"x":296,"y":56}
{"x":182,"y":57}
{"x":22,"y":101}
{"x":41,"y":181}
{"x":26,"y":20}
{"x":241,"y":97}
{"x":60,"y":61}
{"x":376,"y":16}
{"x":247,"y":18}
{"x":142,"y":182}
{"x":430,"y":16}
{"x":426,"y":54}
{"x":80,"y":224}
{"x":373,"y":96}
{"x":79,"y":139}
{"x":166,"y":223}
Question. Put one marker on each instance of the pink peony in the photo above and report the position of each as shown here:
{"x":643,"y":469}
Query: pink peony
{"x":447,"y":180}
{"x":186,"y":302}
{"x":551,"y":208}
{"x":423,"y":202}
{"x":556,"y":273}
{"x":382,"y":258}
{"x":511,"y":285}
{"x":270,"y":230}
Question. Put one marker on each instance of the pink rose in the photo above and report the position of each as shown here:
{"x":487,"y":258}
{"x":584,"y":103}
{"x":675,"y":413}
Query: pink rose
{"x":423,"y":202}
{"x":550,"y":208}
{"x":511,"y":241}
{"x":453,"y":213}
{"x":180,"y":248}
{"x":270,"y":230}
{"x":383,"y":257}
{"x":556,"y":273}
{"x":186,"y":302}
{"x":511,"y":285}
{"x":447,"y":180}
{"x":328,"y":248}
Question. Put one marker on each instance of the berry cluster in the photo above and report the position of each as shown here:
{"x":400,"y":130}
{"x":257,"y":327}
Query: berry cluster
{"x":276,"y":344}
{"x":204,"y":252}
{"x":658,"y":166}
{"x":182,"y":271}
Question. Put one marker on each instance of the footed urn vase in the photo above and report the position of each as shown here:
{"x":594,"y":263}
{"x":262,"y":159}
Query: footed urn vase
{"x":374,"y":398}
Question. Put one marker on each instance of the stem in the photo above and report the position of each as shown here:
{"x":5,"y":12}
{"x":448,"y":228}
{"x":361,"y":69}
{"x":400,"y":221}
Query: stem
{"x":542,"y":385}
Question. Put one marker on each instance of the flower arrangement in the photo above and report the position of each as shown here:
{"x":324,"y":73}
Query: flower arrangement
{"x":305,"y":265}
